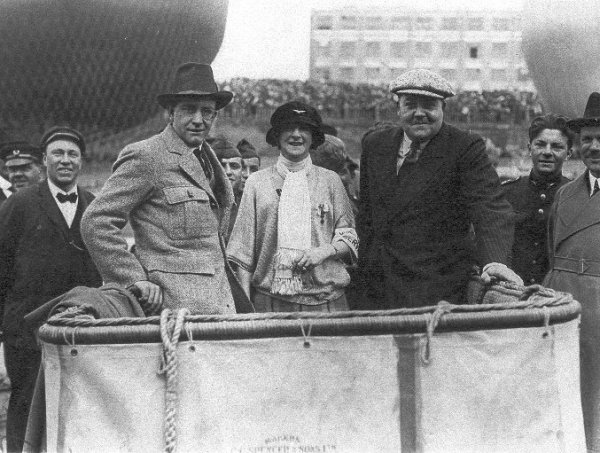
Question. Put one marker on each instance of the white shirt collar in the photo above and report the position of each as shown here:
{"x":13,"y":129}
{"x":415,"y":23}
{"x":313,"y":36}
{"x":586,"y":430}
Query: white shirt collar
{"x":54,"y":190}
{"x":4,"y":184}
{"x":405,"y":145}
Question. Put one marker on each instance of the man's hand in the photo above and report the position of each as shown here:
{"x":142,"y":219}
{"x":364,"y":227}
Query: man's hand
{"x":500,"y":271}
{"x":315,"y":256}
{"x":149,"y":295}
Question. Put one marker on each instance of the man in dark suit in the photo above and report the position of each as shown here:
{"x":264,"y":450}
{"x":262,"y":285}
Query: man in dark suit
{"x":423,"y":184}
{"x":41,"y":256}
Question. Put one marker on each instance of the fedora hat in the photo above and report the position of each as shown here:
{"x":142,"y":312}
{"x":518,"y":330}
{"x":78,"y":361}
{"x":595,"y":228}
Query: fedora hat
{"x":296,"y":112}
{"x":591,"y":115}
{"x":194,"y":80}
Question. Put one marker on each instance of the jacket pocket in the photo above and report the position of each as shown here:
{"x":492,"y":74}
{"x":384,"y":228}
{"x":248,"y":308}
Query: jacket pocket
{"x":190,"y":213}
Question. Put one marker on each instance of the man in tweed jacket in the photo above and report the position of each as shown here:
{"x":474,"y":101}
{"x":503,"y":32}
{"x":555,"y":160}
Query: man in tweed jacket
{"x":177,"y":198}
{"x":423,"y":184}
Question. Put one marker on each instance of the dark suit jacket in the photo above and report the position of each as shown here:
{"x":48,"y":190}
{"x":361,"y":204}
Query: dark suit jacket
{"x":40,"y":256}
{"x":414,"y":226}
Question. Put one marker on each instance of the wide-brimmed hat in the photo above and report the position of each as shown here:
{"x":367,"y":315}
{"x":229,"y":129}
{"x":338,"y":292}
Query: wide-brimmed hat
{"x":422,"y":82}
{"x":591,"y":115}
{"x":194,"y":80}
{"x":62,"y":133}
{"x":299,"y":113}
{"x":19,"y":153}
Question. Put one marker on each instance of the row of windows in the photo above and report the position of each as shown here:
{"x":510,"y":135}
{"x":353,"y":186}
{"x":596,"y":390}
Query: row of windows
{"x":373,"y":49}
{"x":349,"y":73}
{"x":414,"y":23}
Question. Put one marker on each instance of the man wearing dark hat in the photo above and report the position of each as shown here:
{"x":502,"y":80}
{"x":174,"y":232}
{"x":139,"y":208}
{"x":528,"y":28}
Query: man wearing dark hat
{"x":177,"y":198}
{"x":23,"y":163}
{"x":41,"y":256}
{"x":423,"y":183}
{"x":574,"y":229}
{"x":250,"y":160}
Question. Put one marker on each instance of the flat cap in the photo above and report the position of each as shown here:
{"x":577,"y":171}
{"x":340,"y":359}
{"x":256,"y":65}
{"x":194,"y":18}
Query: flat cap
{"x":62,"y":133}
{"x":422,"y":82}
{"x":19,"y":153}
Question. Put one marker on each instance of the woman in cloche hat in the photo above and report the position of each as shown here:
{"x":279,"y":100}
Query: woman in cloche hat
{"x":295,"y":224}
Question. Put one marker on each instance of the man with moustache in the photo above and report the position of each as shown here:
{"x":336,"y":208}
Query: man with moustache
{"x":531,"y":196}
{"x":23,"y":164}
{"x":422,"y":184}
{"x":41,"y":256}
{"x":176,"y":196}
{"x":574,"y":229}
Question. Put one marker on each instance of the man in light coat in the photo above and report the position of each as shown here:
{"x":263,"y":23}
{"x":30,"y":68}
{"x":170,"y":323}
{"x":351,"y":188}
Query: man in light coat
{"x":173,"y":191}
{"x":574,"y":252}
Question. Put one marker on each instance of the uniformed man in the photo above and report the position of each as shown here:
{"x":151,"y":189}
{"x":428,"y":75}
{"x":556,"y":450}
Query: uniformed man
{"x":231,"y":161}
{"x":23,"y":163}
{"x":550,"y":143}
{"x":250,"y":160}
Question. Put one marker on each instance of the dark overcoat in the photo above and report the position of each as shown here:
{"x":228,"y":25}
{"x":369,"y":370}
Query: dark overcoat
{"x":40,"y":256}
{"x":414,"y":227}
{"x":574,"y":243}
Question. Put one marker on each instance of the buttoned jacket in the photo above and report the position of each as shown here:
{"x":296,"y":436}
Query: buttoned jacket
{"x":420,"y":218}
{"x":41,"y":257}
{"x":178,"y":220}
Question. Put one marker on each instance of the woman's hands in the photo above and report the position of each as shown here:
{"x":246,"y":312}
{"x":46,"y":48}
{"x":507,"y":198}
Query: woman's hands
{"x":315,"y":256}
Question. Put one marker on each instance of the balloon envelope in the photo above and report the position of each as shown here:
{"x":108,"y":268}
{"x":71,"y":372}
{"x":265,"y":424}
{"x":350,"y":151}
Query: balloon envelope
{"x":97,"y":64}
{"x":561,"y":43}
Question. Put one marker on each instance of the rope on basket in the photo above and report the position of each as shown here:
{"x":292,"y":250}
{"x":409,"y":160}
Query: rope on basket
{"x":171,"y":324}
{"x":441,"y":309}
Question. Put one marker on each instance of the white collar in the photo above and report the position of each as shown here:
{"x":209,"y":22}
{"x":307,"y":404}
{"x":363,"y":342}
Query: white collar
{"x":54,"y":190}
{"x":4,"y":184}
{"x":406,"y":142}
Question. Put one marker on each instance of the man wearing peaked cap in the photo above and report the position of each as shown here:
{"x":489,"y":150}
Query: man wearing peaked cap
{"x":177,"y":198}
{"x":231,"y":161}
{"x":23,"y":163}
{"x":41,"y":256}
{"x":423,"y":183}
{"x":250,"y":160}
{"x":574,"y":229}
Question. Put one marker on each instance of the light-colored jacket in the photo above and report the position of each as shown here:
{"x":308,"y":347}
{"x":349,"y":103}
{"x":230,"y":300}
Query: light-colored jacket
{"x":159,"y":186}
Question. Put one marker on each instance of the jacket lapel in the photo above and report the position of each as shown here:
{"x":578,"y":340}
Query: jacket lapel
{"x":410,"y":183}
{"x":50,"y":208}
{"x":577,"y":210}
{"x":386,"y":158}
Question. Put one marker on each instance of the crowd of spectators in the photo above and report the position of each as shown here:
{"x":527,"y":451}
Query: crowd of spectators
{"x":346,"y":100}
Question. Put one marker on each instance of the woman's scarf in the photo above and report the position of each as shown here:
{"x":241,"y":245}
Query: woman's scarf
{"x":293,"y":225}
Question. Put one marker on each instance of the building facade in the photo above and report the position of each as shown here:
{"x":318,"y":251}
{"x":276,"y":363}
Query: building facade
{"x":475,"y":50}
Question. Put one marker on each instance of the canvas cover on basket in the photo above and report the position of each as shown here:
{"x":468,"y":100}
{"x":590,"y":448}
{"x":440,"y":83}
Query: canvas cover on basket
{"x":497,"y":390}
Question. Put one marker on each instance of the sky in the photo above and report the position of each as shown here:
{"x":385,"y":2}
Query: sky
{"x":270,"y":38}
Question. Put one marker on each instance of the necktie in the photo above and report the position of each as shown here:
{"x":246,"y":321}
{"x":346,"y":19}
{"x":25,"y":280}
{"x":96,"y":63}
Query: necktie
{"x":63,"y":197}
{"x":414,"y":151}
{"x":204,"y":163}
{"x":12,"y":189}
{"x":596,"y":188}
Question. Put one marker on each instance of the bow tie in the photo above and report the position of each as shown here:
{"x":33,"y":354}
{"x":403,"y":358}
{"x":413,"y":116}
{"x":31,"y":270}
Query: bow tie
{"x":63,"y":197}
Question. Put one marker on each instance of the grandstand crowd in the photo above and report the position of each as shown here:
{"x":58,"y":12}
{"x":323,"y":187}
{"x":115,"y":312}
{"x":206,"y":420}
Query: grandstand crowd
{"x":346,"y":100}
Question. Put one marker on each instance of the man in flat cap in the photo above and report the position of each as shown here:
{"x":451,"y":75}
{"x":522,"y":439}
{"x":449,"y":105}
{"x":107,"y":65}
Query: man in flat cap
{"x":574,"y":229}
{"x":177,"y":198}
{"x":423,"y":183}
{"x":41,"y":256}
{"x":23,"y":163}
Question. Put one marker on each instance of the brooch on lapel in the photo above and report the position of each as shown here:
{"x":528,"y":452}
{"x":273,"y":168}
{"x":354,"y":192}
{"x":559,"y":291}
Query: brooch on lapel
{"x":323,"y":209}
